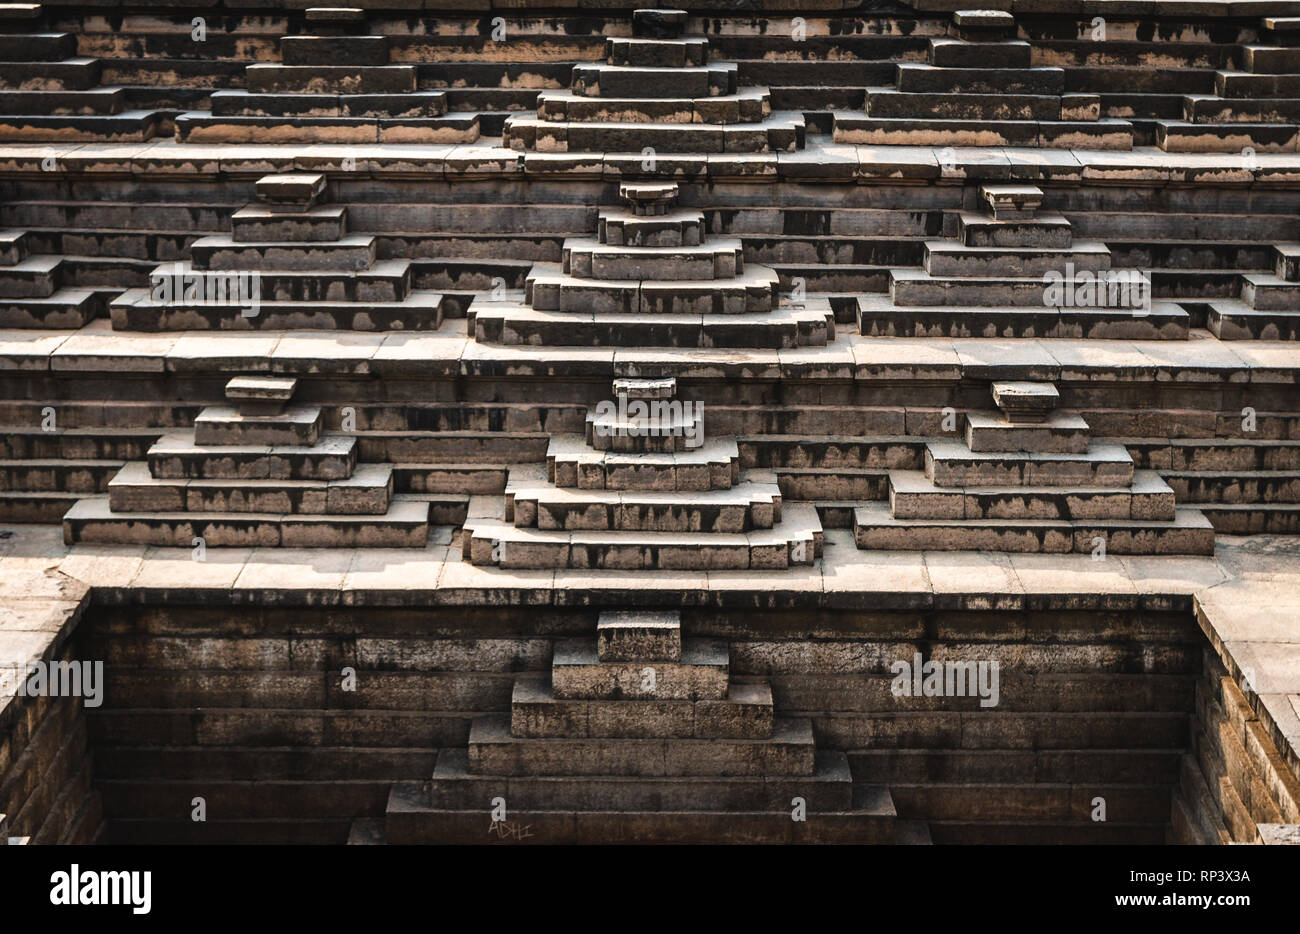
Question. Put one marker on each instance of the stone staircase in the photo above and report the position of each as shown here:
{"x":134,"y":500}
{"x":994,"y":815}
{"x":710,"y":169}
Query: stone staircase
{"x":641,"y":735}
{"x":49,"y":92}
{"x":979,"y":88}
{"x":651,"y":277}
{"x":1269,"y":305}
{"x":1029,"y":479}
{"x":260,"y":472}
{"x":32,"y":292}
{"x":334,"y":86}
{"x":1255,"y":106}
{"x":288,"y":262}
{"x":995,"y":280}
{"x":644,"y":490}
{"x":656,"y":90}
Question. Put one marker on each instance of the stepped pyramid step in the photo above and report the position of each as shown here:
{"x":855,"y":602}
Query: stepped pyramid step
{"x":745,"y":105}
{"x":631,"y":635}
{"x":238,"y":103}
{"x":200,"y":126}
{"x":1190,"y":533}
{"x":1012,"y":202}
{"x":404,"y":525}
{"x":959,"y":53}
{"x":914,"y":287}
{"x":714,"y":465}
{"x":951,"y":463}
{"x":549,"y":288}
{"x":781,"y":131}
{"x":643,"y":426}
{"x":922,"y":78}
{"x":627,"y":81}
{"x":988,"y":432}
{"x":828,"y":788}
{"x":15,"y":245}
{"x":260,"y":223}
{"x":946,"y":258}
{"x":37,"y":46}
{"x":1106,"y":134}
{"x":135,"y":310}
{"x":744,"y":507}
{"x":368,"y":491}
{"x":330,"y":50}
{"x":1025,"y":400}
{"x":298,"y":426}
{"x":657,"y":53}
{"x":912,"y":495}
{"x":324,"y":79}
{"x":1180,"y":136}
{"x":386,"y":281}
{"x":101,"y":101}
{"x":31,"y":277}
{"x":782,"y":328}
{"x":890,"y":103}
{"x":1045,"y":231}
{"x":673,"y":228}
{"x":351,"y":252}
{"x":1231,"y":320}
{"x":69,"y":74}
{"x":719,"y":258}
{"x":744,"y":713}
{"x":65,"y":309}
{"x":795,"y":540}
{"x":493,"y":751}
{"x":871,"y":819}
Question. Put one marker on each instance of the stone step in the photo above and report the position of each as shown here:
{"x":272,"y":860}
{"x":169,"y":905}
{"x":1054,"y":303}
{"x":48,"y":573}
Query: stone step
{"x":385,"y":282}
{"x":678,"y":227}
{"x":29,"y":442}
{"x":1263,"y":292}
{"x":32,"y":277}
{"x":255,"y":223}
{"x":1180,"y":136}
{"x":745,"y":507}
{"x":920,"y":78}
{"x":95,"y":101}
{"x":579,"y":673}
{"x":405,"y":525}
{"x":129,"y":126}
{"x":1060,"y":433}
{"x":1237,"y":487}
{"x":514,"y":323}
{"x":535,"y":713}
{"x":1243,"y":85}
{"x":350,"y":253}
{"x":1189,"y":534}
{"x":872,"y":820}
{"x":718,"y":258}
{"x":1253,"y":519}
{"x":945,"y":258}
{"x":913,"y":496}
{"x":829,"y":787}
{"x":238,"y":103}
{"x":37,"y":46}
{"x":878,"y":316}
{"x":698,"y":81}
{"x":493,"y":751}
{"x":1028,"y":401}
{"x":951,"y":464}
{"x":70,"y":74}
{"x":1046,"y":231}
{"x":201,"y":127}
{"x":640,"y":635}
{"x":783,"y":131}
{"x":796,"y":540}
{"x":666,"y":427}
{"x":134,"y":310}
{"x":1100,"y":134}
{"x":368,"y":491}
{"x":65,"y":309}
{"x":334,"y":50}
{"x":20,"y":12}
{"x":15,"y":246}
{"x":1231,"y":320}
{"x":297,"y":426}
{"x":549,"y":288}
{"x":326,"y":79}
{"x":746,"y":105}
{"x":1270,"y":59}
{"x":1206,"y":108}
{"x":570,"y":463}
{"x":77,"y":476}
{"x":958,"y":53}
{"x":1118,"y":289}
{"x":177,"y":456}
{"x":657,"y":53}
{"x":951,"y":105}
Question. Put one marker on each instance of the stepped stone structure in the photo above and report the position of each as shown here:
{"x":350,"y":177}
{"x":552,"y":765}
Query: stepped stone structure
{"x":641,"y":735}
{"x":657,"y":90}
{"x":979,"y":87}
{"x":652,"y":277}
{"x":644,"y":490}
{"x":1029,"y":479}
{"x":337,"y":84}
{"x":817,"y":424}
{"x":259,"y":472}
{"x":288,"y":262}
